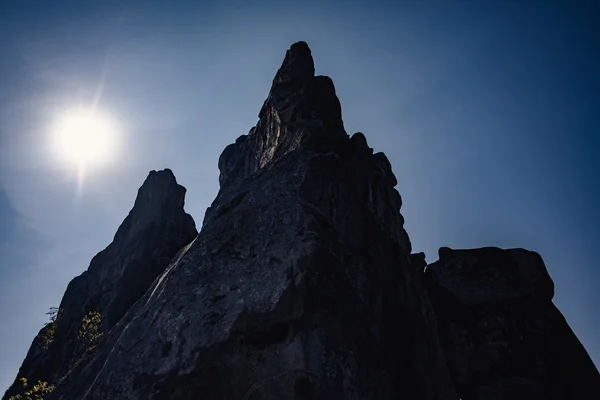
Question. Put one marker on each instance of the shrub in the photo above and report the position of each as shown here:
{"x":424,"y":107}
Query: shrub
{"x":91,"y":328}
{"x":46,"y":336}
{"x":38,"y":392}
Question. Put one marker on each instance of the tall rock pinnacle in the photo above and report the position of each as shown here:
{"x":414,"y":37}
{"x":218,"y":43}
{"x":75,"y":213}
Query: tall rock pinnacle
{"x":298,"y":65}
{"x":155,"y":229}
{"x":301,"y":285}
{"x":301,"y":111}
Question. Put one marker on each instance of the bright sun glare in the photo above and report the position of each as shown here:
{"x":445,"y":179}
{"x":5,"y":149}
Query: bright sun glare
{"x":84,"y":138}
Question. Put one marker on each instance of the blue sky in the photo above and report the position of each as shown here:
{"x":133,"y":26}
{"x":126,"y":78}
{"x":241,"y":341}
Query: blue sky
{"x":488,"y":111}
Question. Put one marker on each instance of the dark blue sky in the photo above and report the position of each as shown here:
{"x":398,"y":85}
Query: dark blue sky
{"x":488,"y":111}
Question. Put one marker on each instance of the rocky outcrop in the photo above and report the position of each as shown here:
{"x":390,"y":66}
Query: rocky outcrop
{"x":300,"y":284}
{"x":155,"y":229}
{"x":502,"y":335}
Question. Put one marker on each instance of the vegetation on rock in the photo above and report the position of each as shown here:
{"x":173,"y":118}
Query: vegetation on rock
{"x":37,"y":392}
{"x":46,"y":336}
{"x":91,"y":325}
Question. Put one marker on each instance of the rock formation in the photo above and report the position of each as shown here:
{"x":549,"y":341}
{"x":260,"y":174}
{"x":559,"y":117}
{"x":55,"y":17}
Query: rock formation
{"x":502,"y":335}
{"x":300,"y":285}
{"x":149,"y":237}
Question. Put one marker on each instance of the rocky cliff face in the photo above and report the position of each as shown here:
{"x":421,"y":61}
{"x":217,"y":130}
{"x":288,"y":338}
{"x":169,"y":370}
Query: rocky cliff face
{"x":502,"y":335}
{"x":155,"y":229}
{"x":301,"y":285}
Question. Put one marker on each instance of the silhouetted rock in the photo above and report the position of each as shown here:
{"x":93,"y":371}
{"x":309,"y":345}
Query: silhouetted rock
{"x":299,"y":285}
{"x":503,"y":336}
{"x":155,"y":229}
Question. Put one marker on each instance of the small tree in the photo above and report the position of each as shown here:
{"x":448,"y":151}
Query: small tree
{"x":91,"y":328}
{"x":37,"y":392}
{"x":90,"y":333}
{"x":46,"y":336}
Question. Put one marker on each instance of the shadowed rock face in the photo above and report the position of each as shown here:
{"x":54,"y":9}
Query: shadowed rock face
{"x":155,"y":229}
{"x":300,"y":284}
{"x":503,"y":337}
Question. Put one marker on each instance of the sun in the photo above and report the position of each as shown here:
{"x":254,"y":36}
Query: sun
{"x":84,"y":138}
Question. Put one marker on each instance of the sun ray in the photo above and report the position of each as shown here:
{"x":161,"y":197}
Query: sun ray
{"x":80,"y":179}
{"x":99,"y":89}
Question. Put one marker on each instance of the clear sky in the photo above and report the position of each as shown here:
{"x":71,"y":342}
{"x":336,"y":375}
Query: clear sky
{"x":488,"y":111}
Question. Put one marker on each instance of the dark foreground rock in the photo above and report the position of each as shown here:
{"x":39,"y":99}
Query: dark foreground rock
{"x":502,"y":335}
{"x":155,"y":229}
{"x":300,"y":283}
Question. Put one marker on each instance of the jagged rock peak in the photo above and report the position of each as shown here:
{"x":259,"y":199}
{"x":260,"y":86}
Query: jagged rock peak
{"x":161,"y":187}
{"x":298,"y":64}
{"x":299,"y":285}
{"x":156,"y":228}
{"x":159,"y":195}
{"x":302,"y":285}
{"x":301,"y":112}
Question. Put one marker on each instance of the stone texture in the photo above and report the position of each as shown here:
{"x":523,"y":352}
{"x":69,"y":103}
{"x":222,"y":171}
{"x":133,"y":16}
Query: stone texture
{"x":155,"y":229}
{"x":503,"y":337}
{"x":300,"y":284}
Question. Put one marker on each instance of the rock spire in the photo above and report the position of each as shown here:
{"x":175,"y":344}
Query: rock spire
{"x":153,"y":232}
{"x":302,"y":284}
